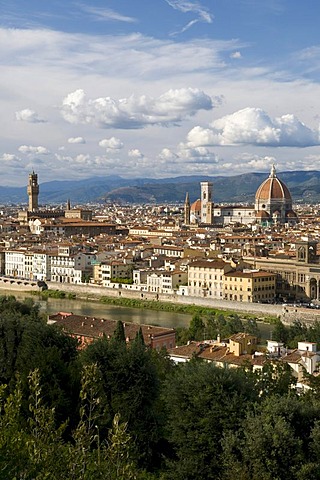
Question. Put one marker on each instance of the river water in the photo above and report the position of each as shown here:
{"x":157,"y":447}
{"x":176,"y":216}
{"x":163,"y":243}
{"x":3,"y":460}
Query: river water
{"x":114,"y":312}
{"x":111,"y":312}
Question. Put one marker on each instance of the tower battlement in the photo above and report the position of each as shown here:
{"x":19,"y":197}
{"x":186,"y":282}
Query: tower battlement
{"x":33,"y":192}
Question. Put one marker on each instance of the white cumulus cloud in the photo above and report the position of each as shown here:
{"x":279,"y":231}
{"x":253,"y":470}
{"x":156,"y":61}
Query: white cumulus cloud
{"x":29,"y":149}
{"x":135,"y":111}
{"x":111,"y":144}
{"x":253,"y":126}
{"x":27,"y":115}
{"x":135,"y":153}
{"x":9,"y":157}
{"x":76,"y":140}
{"x":168,"y":155}
{"x":197,"y":154}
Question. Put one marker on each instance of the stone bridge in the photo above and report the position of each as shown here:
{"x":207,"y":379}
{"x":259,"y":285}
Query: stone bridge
{"x":14,"y":283}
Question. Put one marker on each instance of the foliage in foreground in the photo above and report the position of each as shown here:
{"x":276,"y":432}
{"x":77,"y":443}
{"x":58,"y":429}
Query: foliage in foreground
{"x":122,"y":411}
{"x":36,"y":449}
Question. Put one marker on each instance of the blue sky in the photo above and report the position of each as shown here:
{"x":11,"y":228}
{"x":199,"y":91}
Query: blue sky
{"x":158,"y":88}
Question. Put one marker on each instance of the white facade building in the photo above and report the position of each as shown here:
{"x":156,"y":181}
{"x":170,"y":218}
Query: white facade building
{"x":163,"y":281}
{"x":15,"y":263}
{"x":206,"y":278}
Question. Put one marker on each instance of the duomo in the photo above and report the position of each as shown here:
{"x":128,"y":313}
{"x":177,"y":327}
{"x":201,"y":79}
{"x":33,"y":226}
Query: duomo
{"x":273,"y":205}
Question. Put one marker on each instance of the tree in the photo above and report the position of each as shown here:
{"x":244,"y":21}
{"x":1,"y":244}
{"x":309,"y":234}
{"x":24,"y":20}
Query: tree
{"x":202,"y":402}
{"x":274,"y":441}
{"x":119,"y":333}
{"x":234,"y":324}
{"x":13,"y":454}
{"x":196,"y":328}
{"x":45,"y":442}
{"x":129,"y":377}
{"x":28,"y":343}
{"x":275,"y":378}
{"x":139,"y":337}
{"x":212,"y":326}
{"x":251,"y":327}
{"x":84,"y":461}
{"x":119,"y":453}
{"x":29,"y":449}
{"x":54,"y":353}
{"x":35,"y":448}
{"x":280,"y":332}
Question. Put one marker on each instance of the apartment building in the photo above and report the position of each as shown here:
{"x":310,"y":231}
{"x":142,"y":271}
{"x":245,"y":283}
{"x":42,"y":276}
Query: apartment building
{"x":163,"y":281}
{"x":15,"y":263}
{"x":68,"y":265}
{"x":206,"y":278}
{"x":249,"y":286}
{"x":140,"y":276}
{"x":115,"y":269}
{"x":28,"y":264}
{"x":40,"y":266}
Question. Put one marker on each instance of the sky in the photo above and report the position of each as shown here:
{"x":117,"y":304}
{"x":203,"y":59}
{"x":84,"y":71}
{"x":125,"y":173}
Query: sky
{"x":158,"y":88}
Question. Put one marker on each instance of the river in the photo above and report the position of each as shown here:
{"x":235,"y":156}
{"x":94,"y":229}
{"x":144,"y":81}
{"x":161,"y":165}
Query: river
{"x":114,"y":312}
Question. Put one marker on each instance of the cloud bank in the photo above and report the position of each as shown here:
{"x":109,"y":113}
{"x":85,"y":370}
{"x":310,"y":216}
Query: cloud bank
{"x":253,"y":126}
{"x":172,"y":107}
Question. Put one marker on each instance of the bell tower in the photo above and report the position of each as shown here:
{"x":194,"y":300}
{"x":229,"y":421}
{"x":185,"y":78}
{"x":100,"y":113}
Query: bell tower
{"x":187,"y":210}
{"x":206,"y":202}
{"x":33,"y":192}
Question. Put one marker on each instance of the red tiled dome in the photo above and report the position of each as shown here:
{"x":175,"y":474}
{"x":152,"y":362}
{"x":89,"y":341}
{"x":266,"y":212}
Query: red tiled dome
{"x":196,"y":206}
{"x":273,"y":189}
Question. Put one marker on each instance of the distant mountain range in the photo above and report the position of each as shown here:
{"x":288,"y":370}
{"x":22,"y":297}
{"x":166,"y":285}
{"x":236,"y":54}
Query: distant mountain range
{"x":304,"y":187}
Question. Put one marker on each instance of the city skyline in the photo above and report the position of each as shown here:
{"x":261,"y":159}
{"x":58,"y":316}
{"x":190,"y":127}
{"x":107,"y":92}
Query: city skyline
{"x":158,"y":89}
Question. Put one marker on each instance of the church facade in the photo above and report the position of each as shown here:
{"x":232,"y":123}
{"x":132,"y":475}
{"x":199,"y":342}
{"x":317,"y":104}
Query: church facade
{"x":273,"y":205}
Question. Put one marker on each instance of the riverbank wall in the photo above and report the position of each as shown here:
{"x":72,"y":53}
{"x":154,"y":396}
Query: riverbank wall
{"x":95,"y":291}
{"x":308,"y":316}
{"x":91,"y":292}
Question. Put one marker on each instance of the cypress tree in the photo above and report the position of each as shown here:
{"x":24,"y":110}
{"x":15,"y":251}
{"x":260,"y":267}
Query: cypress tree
{"x":119,"y":334}
{"x":139,"y":338}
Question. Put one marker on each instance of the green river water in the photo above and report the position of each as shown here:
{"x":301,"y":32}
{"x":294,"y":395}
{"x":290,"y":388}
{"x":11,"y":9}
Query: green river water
{"x":113,"y":312}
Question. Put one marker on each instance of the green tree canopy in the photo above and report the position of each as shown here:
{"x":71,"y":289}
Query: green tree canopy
{"x":203,"y":402}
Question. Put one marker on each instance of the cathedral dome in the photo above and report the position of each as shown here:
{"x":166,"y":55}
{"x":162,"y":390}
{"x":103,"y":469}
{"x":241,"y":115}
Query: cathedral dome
{"x":273,"y":197}
{"x":196,"y":207}
{"x":273,"y":189}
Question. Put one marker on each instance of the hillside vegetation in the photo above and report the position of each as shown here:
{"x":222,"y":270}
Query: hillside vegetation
{"x":304,"y":187}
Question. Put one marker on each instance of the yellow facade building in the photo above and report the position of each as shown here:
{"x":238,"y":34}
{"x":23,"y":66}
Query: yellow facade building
{"x":250,"y":286}
{"x":242,"y":344}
